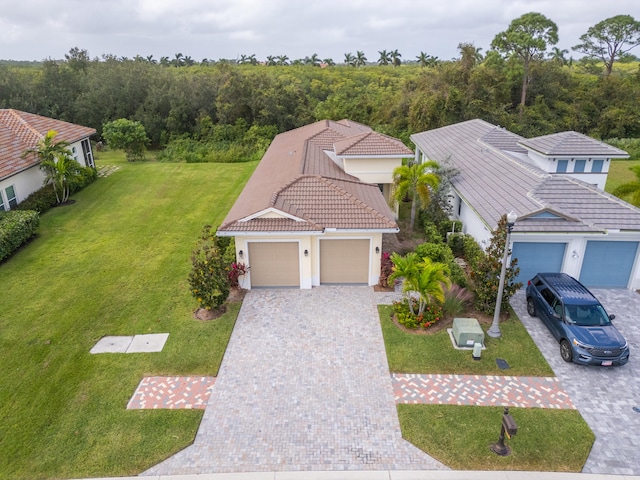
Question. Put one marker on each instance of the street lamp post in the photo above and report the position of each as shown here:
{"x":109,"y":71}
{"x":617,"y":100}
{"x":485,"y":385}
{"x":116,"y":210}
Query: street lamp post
{"x":494,"y":331}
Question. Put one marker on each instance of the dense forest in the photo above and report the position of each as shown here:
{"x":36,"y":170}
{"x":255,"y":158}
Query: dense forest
{"x":219,"y":101}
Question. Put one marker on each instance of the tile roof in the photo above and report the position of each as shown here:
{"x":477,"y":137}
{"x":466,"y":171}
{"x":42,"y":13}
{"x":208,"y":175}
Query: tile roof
{"x":493,"y":181}
{"x":572,"y":144}
{"x":297,"y":178}
{"x":20,"y":131}
{"x":371,"y":144}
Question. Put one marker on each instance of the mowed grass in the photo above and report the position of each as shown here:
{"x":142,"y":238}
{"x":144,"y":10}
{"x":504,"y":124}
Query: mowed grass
{"x":459,"y":436}
{"x":114,"y":263}
{"x":619,"y":173}
{"x":411,"y":353}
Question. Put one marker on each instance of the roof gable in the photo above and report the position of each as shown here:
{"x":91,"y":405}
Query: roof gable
{"x":371,"y":144}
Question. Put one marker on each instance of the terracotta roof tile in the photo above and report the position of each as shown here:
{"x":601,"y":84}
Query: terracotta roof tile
{"x":297,"y":177}
{"x":20,"y":131}
{"x":372,"y":144}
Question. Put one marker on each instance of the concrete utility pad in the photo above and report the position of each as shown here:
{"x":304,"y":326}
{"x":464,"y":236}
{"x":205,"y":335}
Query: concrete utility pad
{"x":112,"y":344}
{"x":153,"y":342}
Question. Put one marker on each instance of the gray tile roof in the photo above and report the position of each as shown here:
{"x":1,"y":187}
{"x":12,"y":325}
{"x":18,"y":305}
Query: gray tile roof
{"x":298,"y":178}
{"x":572,"y":144}
{"x":493,"y":181}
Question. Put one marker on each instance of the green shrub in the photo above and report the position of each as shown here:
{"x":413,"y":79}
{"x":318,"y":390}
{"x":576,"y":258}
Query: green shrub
{"x":441,"y":253}
{"x":431,"y":315}
{"x":473,"y":253}
{"x":456,"y":243}
{"x":432,"y":233}
{"x":40,"y":200}
{"x":16,"y":227}
{"x":84,"y":177}
{"x":447,"y":226}
{"x":209,"y":277}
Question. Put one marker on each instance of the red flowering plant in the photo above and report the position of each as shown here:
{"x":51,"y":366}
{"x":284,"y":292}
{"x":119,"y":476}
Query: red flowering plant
{"x":407,"y":318}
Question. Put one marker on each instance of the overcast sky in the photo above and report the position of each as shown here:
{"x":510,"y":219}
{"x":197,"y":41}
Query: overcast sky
{"x":214,"y":29}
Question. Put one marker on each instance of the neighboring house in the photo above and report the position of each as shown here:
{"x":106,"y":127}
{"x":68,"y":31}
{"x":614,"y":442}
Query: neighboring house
{"x":315,"y":209}
{"x":566,"y":222}
{"x":21,"y":131}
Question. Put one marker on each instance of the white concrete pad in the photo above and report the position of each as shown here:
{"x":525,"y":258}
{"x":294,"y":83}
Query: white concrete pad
{"x":153,"y":342}
{"x":112,"y":344}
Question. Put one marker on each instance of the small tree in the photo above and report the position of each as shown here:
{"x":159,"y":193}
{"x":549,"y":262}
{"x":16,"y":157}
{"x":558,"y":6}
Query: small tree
{"x":127,"y":135}
{"x":209,"y":278}
{"x":486,"y":273}
{"x":416,"y":181}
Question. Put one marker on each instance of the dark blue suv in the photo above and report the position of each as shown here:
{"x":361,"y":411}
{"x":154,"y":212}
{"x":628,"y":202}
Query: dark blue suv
{"x":577,"y":320}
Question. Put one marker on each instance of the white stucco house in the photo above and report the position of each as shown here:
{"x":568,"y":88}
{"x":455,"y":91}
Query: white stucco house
{"x":315,"y":208}
{"x":20,"y":131}
{"x":554,"y":183}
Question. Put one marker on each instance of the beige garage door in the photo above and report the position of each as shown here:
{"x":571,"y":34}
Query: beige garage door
{"x":344,"y":261}
{"x":274,"y":264}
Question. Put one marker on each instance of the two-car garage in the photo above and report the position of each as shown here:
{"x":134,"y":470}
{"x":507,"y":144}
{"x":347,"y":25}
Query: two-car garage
{"x":606,"y":264}
{"x":276,"y":264}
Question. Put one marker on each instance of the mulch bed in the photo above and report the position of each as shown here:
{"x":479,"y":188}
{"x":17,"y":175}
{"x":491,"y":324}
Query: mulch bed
{"x":445,"y":323}
{"x":235,"y":295}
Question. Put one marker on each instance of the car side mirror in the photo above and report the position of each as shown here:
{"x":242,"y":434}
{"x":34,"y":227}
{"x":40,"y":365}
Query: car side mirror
{"x":557,"y":316}
{"x":612,"y":316}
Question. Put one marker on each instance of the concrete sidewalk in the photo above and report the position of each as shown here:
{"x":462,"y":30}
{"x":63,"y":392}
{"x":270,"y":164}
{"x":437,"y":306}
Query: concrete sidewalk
{"x":388,"y":475}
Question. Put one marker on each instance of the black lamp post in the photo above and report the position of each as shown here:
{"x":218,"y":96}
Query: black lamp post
{"x":494,"y":331}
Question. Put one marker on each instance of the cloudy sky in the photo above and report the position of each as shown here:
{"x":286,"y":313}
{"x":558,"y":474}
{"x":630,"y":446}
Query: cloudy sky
{"x":214,"y":29}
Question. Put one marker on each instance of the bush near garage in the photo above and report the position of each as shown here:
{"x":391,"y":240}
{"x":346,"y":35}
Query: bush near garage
{"x":16,"y":227}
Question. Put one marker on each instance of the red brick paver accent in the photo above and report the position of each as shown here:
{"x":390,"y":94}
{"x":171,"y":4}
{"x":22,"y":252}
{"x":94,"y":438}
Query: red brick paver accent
{"x":524,"y":392}
{"x":172,"y":393}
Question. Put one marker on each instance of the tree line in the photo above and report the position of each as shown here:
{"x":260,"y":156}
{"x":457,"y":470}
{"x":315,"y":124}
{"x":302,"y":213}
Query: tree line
{"x":522,"y":83}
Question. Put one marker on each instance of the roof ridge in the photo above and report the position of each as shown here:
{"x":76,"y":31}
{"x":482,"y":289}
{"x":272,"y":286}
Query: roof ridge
{"x":13,"y":112}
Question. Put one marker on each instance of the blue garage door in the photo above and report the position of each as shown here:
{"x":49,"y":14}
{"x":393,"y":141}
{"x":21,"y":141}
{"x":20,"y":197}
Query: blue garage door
{"x":608,"y":264}
{"x":537,"y":257}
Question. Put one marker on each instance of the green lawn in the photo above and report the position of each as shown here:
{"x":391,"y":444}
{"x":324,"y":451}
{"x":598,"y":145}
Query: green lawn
{"x":113,"y":263}
{"x":459,"y":436}
{"x":619,"y":173}
{"x":410,"y":353}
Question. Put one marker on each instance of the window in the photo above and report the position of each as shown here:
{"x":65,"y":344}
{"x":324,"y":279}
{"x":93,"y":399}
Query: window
{"x":597,"y":166}
{"x":579,"y":166}
{"x":11,"y":197}
{"x":86,"y":151}
{"x":562,"y":166}
{"x":2,"y":209}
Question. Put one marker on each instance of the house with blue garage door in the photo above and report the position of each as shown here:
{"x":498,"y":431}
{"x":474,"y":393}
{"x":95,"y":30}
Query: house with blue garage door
{"x":554,"y":184}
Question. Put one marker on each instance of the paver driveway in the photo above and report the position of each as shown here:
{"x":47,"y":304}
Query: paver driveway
{"x":604,"y":396}
{"x":304,"y":385}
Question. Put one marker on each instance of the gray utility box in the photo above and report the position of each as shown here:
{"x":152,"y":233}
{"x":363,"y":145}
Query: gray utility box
{"x":467,"y":332}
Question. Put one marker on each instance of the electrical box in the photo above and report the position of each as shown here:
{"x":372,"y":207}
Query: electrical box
{"x":467,"y":332}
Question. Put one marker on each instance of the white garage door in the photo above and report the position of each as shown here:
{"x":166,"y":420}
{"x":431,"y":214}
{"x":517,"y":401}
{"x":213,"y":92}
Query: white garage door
{"x":274,"y":264}
{"x":344,"y":261}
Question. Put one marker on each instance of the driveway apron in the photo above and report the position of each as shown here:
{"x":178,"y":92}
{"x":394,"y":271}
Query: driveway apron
{"x":605,"y":397}
{"x":304,"y":385}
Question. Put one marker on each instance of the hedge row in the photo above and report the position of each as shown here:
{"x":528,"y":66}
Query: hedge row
{"x":16,"y":227}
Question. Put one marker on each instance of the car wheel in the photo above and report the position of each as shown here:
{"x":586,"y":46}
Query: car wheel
{"x":531,"y":308}
{"x":565,"y":351}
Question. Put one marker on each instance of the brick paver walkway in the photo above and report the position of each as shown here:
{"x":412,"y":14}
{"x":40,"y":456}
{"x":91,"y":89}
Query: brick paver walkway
{"x":172,"y":393}
{"x":523,"y":392}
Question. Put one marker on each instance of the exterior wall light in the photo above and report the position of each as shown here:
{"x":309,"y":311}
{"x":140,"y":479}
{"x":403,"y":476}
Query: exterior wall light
{"x":377,"y":250}
{"x":574,"y":254}
{"x":240,"y":253}
{"x":306,"y":253}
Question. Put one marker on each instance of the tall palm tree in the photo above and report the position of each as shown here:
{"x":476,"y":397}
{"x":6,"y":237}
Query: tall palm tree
{"x":557,"y":55}
{"x":283,"y":60}
{"x":361,"y":60}
{"x":395,"y":58}
{"x":385,"y":58}
{"x":164,"y":61}
{"x":422,"y":59}
{"x":470,"y":55}
{"x":151,"y":60}
{"x":349,"y":59}
{"x":417,"y":181}
{"x":271,"y":61}
{"x":313,"y":60}
{"x":329,"y":62}
{"x":178,"y":60}
{"x":188,"y":61}
{"x":630,"y":190}
{"x":55,"y":161}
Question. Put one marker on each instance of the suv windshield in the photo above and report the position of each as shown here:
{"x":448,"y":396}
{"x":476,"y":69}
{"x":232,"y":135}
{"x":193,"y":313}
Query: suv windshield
{"x":586,"y":315}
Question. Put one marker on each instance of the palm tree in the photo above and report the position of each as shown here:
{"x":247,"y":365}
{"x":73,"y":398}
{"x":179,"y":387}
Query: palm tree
{"x":416,"y":181}
{"x":405,"y":267}
{"x":349,"y":59}
{"x":470,"y":56}
{"x":178,"y":60}
{"x":422,"y":59}
{"x":361,"y":60}
{"x":429,"y":283}
{"x":271,"y":60}
{"x":188,"y":61}
{"x":164,"y":61}
{"x":395,"y":58}
{"x":151,"y":60}
{"x":328,"y":62}
{"x":385,"y":58}
{"x":55,"y":161}
{"x":631,"y":189}
{"x":283,"y":60}
{"x":312,"y":60}
{"x":557,"y":55}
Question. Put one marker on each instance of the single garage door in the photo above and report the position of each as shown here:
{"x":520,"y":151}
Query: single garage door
{"x":537,"y":257}
{"x":344,"y":261}
{"x":274,"y":264}
{"x":608,"y":264}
